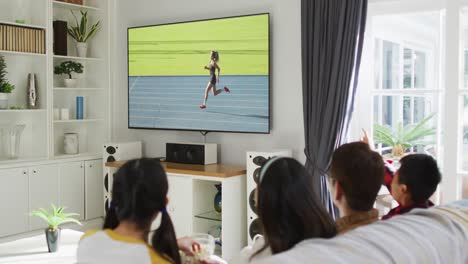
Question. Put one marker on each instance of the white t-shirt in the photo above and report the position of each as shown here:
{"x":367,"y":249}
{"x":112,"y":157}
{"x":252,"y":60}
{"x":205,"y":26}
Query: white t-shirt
{"x":108,"y":247}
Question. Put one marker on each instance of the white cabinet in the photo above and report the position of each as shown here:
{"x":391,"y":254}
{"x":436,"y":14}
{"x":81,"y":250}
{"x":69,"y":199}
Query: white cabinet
{"x":43,"y":190}
{"x":72,"y":187}
{"x":14,"y":201}
{"x":180,"y":204}
{"x":94,"y":206}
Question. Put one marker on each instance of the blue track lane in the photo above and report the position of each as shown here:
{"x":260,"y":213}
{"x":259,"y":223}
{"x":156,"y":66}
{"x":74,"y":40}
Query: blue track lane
{"x":173,"y":102}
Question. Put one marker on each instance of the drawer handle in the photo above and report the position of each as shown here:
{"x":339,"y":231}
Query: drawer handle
{"x":34,"y":171}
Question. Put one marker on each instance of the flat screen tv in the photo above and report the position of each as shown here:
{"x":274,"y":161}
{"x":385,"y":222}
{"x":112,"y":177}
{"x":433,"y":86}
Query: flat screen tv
{"x":173,"y":67}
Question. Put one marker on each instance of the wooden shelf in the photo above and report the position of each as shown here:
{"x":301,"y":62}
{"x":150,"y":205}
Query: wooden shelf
{"x":21,"y":25}
{"x":58,"y":4}
{"x":212,"y":170}
{"x":22,"y":53}
{"x":23,"y":111}
{"x":76,"y":58}
{"x":77,"y":121}
{"x":77,"y":89}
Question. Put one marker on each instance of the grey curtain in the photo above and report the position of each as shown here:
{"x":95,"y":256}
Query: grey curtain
{"x":332,"y":40}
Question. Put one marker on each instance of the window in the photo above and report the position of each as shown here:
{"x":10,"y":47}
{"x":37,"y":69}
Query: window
{"x":401,"y":96}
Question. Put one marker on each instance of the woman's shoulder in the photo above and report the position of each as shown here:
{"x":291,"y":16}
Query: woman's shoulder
{"x":89,"y":233}
{"x":156,"y":258}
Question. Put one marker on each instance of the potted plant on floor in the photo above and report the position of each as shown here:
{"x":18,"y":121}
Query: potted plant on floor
{"x":5,"y":87}
{"x":402,"y":138}
{"x":69,"y":67}
{"x":54,"y":219}
{"x":81,"y":34}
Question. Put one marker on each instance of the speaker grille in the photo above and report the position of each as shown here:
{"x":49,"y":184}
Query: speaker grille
{"x":110,"y":159}
{"x":106,"y":182}
{"x":252,"y":201}
{"x":111,"y":150}
{"x":254,"y":228}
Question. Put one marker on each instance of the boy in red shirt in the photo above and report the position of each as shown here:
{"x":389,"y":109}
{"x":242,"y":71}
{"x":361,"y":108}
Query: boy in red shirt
{"x":413,"y":183}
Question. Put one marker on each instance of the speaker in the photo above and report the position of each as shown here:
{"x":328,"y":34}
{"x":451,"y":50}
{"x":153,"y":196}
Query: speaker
{"x":255,"y":160}
{"x":60,"y":37}
{"x":192,"y":153}
{"x":115,"y":152}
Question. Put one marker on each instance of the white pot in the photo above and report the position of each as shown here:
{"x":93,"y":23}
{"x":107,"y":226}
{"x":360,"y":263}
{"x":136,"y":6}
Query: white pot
{"x":82,"y":49}
{"x":3,"y":101}
{"x":70,"y":83}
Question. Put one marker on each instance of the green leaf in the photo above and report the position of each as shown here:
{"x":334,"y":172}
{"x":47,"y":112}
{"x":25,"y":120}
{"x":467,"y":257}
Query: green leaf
{"x":56,"y":217}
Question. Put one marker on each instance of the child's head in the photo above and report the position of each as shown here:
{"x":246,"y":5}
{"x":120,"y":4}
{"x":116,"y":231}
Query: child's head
{"x":357,"y":174}
{"x":416,"y":179}
{"x":139,"y":194}
{"x":214,"y":55}
{"x":288,"y":208}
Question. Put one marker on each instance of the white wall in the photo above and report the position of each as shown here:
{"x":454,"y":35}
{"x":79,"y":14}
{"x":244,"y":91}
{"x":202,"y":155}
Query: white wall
{"x":287,"y":118}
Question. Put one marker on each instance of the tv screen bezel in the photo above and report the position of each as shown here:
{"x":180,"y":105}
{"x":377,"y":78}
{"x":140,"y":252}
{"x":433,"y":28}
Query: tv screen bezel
{"x":201,"y":130}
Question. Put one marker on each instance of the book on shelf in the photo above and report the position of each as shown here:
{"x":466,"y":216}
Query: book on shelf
{"x":22,"y":39}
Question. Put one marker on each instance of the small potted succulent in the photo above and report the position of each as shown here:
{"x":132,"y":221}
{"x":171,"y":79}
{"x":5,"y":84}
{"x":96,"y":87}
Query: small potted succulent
{"x":81,"y":33}
{"x":54,"y":219}
{"x":5,"y":87}
{"x":67,"y":68}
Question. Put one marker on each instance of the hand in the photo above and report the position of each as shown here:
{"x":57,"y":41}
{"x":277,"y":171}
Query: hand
{"x":187,"y":245}
{"x":365,"y":138}
{"x":206,"y":68}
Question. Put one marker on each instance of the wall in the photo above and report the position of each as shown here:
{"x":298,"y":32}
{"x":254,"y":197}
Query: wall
{"x":287,"y":118}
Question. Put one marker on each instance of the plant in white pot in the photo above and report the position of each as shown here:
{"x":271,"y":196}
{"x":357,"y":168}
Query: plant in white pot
{"x":5,"y":87}
{"x":54,"y":220}
{"x":67,"y":68}
{"x":81,"y":33}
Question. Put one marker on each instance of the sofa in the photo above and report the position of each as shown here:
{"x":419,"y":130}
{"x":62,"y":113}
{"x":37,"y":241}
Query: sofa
{"x":436,"y":235}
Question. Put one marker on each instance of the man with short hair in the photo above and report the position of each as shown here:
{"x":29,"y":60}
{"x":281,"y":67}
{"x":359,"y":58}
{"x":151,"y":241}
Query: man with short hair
{"x":356,"y":176}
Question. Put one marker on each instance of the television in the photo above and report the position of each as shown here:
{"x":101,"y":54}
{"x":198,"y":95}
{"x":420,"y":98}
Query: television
{"x":173,"y":67}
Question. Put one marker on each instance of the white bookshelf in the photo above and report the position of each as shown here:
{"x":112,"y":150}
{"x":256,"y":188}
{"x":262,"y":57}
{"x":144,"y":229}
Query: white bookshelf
{"x":43,"y":136}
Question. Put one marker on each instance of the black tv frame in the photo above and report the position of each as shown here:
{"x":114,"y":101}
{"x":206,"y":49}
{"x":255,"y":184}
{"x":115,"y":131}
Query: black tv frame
{"x":204,"y":132}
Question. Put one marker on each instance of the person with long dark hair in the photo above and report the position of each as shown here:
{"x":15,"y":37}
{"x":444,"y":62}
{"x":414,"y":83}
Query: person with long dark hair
{"x":212,"y":67}
{"x":139,"y":195}
{"x":289,"y":211}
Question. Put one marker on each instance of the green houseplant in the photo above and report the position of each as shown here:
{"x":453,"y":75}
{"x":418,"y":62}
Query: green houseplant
{"x":5,"y":87}
{"x":54,"y":219}
{"x":402,"y":137}
{"x":81,"y":33}
{"x":67,"y":68}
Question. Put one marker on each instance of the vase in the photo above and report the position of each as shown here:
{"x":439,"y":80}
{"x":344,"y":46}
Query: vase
{"x":11,"y":140}
{"x":70,"y":143}
{"x":53,"y":239}
{"x":3,"y":101}
{"x":82,"y":49}
{"x":70,"y":83}
{"x":217,"y":199}
{"x":32,"y":101}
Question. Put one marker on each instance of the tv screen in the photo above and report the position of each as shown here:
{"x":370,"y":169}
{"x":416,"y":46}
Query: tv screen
{"x":210,"y":75}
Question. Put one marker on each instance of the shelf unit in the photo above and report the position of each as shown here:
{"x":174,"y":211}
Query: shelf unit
{"x":43,"y":136}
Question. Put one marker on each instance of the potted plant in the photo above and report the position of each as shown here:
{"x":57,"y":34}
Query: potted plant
{"x":81,"y":34}
{"x":402,"y":137}
{"x":53,"y":220}
{"x":69,"y":67}
{"x":5,"y":87}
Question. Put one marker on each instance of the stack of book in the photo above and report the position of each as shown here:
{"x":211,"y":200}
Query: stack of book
{"x":22,"y":39}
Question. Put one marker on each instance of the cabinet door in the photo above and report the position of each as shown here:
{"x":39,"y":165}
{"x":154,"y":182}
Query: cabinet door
{"x":43,"y":191}
{"x":72,"y":187}
{"x":14,"y":201}
{"x":180,"y":204}
{"x":94,"y":187}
